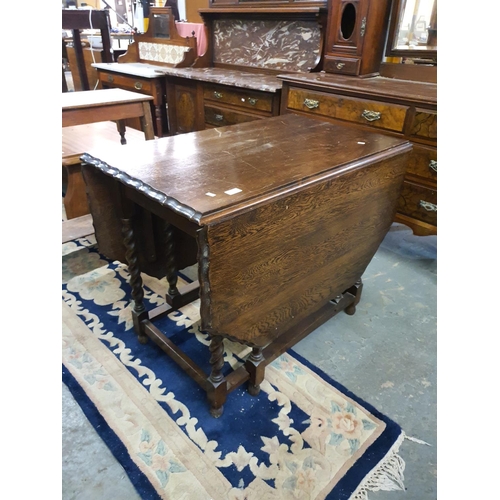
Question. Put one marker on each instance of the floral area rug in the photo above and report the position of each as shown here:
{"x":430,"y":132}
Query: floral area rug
{"x":303,"y":437}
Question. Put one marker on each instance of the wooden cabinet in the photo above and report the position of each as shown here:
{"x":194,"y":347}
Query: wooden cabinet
{"x":224,"y":105}
{"x":363,"y":111}
{"x":142,"y":79}
{"x":186,"y":115}
{"x":395,"y":107}
{"x":201,"y":102}
{"x":355,"y":36}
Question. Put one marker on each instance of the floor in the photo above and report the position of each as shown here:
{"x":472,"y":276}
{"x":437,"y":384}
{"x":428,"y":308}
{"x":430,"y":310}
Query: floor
{"x":385,"y":354}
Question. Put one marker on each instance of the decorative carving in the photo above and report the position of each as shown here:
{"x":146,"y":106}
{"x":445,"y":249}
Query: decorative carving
{"x":256,"y":372}
{"x":171,"y":268}
{"x":158,"y":196}
{"x":139,"y":311}
{"x":216,"y":359}
{"x":133,"y":265}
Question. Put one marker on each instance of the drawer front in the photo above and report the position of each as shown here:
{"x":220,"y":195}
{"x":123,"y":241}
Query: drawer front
{"x":375,"y":114}
{"x":419,"y":202}
{"x":424,"y":125}
{"x":127,"y":83}
{"x":341,"y":65}
{"x":248,"y":99}
{"x":423,"y":162}
{"x":221,"y":116}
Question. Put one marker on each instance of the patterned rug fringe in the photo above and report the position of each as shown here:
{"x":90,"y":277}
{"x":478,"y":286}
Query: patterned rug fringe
{"x":387,"y":476}
{"x":415,"y":440}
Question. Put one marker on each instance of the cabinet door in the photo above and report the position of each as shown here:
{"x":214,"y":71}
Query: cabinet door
{"x":185,"y":110}
{"x":355,"y":38}
{"x":347,"y":25}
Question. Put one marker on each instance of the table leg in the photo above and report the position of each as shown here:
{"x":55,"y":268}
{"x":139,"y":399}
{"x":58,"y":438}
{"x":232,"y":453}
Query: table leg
{"x":120,"y":125}
{"x":356,"y":290}
{"x":139,"y":312}
{"x":217,"y":393}
{"x":147,"y":122}
{"x":159,"y":121}
{"x":255,"y":367}
{"x":171,"y":268}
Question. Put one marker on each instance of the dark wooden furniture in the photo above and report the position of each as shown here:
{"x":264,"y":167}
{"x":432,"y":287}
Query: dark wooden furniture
{"x":77,"y":20}
{"x":353,"y":32}
{"x":282,"y":217}
{"x":213,"y":97}
{"x":136,"y":70}
{"x":247,"y":47}
{"x":76,"y":140}
{"x":96,"y":107}
{"x":103,"y":105}
{"x":397,"y":108}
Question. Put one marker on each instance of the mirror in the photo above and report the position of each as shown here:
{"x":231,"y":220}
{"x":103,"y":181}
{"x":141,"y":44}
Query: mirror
{"x":413,"y":29}
{"x":161,"y":26}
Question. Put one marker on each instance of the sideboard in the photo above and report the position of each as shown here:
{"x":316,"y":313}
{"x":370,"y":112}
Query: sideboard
{"x":400,"y":108}
{"x":247,"y":48}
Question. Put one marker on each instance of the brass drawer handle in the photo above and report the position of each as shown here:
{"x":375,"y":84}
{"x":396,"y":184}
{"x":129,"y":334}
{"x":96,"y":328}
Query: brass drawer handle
{"x":430,"y":207}
{"x":340,"y":65}
{"x":433,"y":165}
{"x":252,"y":101}
{"x":311,"y":103}
{"x":110,"y":79}
{"x":219,"y":118}
{"x":138,"y":85}
{"x":217,"y":95}
{"x":371,"y":116}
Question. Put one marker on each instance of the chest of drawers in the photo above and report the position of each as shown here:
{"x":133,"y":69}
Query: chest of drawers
{"x":142,"y":78}
{"x":395,"y":107}
{"x":214,"y":97}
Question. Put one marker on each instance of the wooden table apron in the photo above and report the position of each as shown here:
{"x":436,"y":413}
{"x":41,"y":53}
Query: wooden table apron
{"x":275,"y":260}
{"x":131,"y":105}
{"x":113,"y":112}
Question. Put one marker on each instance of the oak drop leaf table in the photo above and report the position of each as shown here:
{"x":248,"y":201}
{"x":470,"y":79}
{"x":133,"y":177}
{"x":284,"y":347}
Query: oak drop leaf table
{"x":281,"y":216}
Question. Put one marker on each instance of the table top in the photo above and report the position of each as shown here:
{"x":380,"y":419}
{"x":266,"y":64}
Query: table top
{"x":142,"y":70}
{"x":100,"y":97}
{"x":376,"y":86}
{"x":210,"y":174}
{"x":225,"y":76}
{"x":80,"y":138}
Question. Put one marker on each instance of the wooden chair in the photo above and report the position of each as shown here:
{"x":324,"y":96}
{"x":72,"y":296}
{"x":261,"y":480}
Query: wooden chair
{"x":76,"y":20}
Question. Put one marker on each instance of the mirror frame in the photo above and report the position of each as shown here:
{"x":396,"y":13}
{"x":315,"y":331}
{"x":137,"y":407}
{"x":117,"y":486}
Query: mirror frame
{"x":397,"y":11}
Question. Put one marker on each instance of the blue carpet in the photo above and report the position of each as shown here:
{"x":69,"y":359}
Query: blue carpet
{"x":303,"y":436}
